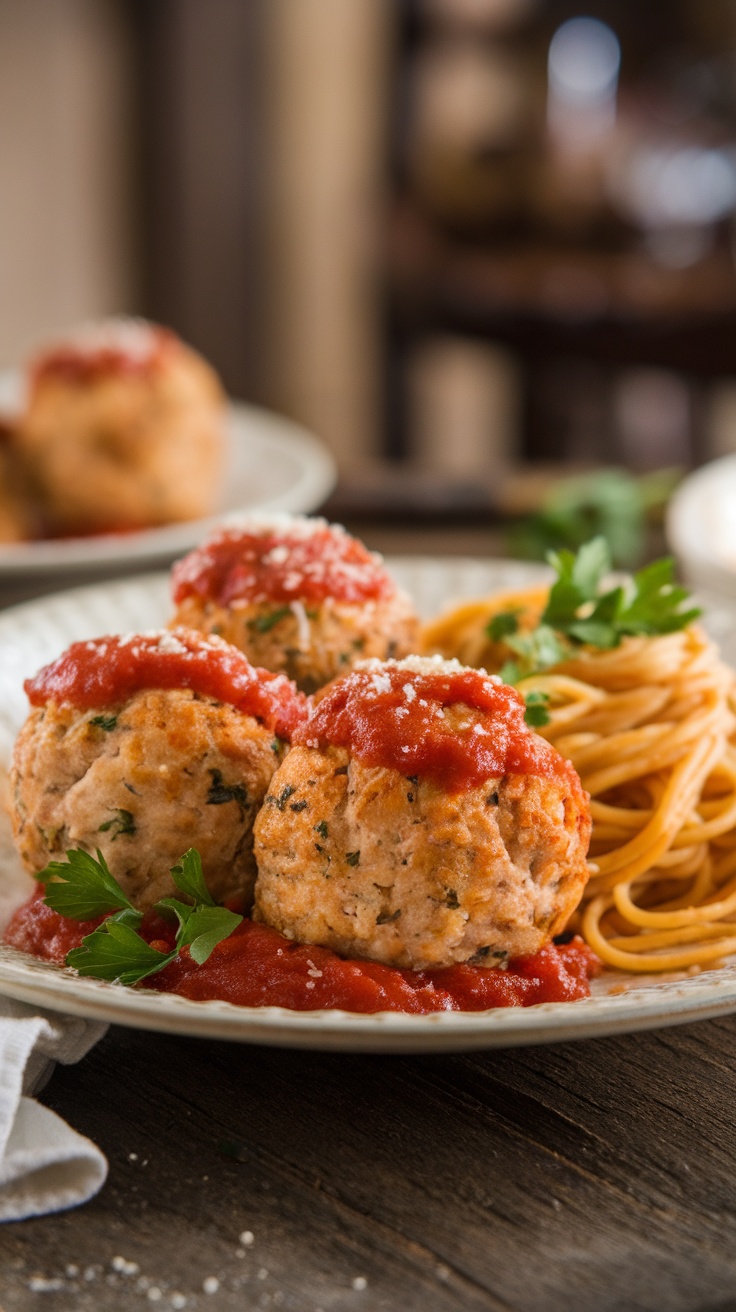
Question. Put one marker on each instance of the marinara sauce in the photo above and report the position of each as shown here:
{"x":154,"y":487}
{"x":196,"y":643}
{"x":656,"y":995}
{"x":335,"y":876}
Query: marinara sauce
{"x":304,"y":560}
{"x":257,"y":967}
{"x":120,"y":347}
{"x":428,"y":717}
{"x":106,"y":671}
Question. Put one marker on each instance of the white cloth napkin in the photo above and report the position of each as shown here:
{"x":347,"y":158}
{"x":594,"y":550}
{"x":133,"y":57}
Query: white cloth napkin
{"x":45,"y":1166}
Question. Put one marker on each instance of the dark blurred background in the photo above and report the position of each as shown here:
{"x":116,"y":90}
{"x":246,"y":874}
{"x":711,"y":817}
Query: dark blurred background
{"x":473,"y":244}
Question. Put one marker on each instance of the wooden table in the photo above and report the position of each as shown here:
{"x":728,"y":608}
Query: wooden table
{"x":590,"y":1177}
{"x":598,"y":1175}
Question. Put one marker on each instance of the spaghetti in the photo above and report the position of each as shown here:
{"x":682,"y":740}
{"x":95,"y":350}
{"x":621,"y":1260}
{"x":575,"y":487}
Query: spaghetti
{"x":649,"y":725}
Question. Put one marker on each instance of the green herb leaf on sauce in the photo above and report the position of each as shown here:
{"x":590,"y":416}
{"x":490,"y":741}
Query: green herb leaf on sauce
{"x":81,"y":887}
{"x":205,"y":928}
{"x":116,"y":952}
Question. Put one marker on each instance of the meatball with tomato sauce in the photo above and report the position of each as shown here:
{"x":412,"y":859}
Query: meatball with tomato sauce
{"x":124,"y":428}
{"x":147,"y":745}
{"x":297,"y":595}
{"x":418,"y":821}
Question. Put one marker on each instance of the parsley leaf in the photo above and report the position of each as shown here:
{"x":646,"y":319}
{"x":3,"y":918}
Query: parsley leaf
{"x":503,"y":625}
{"x":189,"y":879}
{"x":537,"y":650}
{"x":536,"y":713}
{"x":116,"y":952}
{"x":205,"y":928}
{"x":580,"y":612}
{"x":81,"y":887}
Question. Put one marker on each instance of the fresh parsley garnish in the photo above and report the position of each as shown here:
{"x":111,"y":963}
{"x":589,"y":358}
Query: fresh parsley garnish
{"x":83,"y":888}
{"x":536,"y":713}
{"x":581,"y":612}
{"x":188,"y":876}
{"x":609,"y":503}
{"x":116,"y":952}
{"x":503,"y":625}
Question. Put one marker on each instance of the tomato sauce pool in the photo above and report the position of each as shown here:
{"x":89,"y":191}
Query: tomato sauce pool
{"x":307,"y":561}
{"x":257,"y":967}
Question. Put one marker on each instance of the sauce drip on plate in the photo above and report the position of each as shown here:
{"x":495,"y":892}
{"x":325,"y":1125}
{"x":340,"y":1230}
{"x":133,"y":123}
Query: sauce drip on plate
{"x":104,"y":672}
{"x":299,"y":560}
{"x":257,"y":967}
{"x":432,"y":718}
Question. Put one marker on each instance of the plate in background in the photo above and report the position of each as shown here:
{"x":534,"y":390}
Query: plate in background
{"x":272,"y":465}
{"x":36,"y":632}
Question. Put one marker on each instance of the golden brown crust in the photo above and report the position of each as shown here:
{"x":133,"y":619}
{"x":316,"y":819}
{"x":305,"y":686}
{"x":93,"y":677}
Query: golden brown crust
{"x":312,"y":642}
{"x":171,"y":770}
{"x":371,"y":864}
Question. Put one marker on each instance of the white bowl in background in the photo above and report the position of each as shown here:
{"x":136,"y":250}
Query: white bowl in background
{"x":701,"y":527}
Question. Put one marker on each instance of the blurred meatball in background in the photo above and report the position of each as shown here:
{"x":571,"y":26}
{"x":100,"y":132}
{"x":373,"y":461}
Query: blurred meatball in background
{"x":124,"y":428}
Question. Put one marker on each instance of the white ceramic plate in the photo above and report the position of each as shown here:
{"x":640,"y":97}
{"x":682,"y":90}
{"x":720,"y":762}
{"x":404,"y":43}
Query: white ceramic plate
{"x":272,"y":465}
{"x":701,"y":526}
{"x":37,"y":632}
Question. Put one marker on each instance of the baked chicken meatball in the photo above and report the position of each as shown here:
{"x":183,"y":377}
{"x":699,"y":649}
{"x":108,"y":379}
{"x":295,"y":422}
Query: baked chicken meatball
{"x":18,"y":521}
{"x":124,"y":428}
{"x":145,"y":746}
{"x":297,"y":595}
{"x":418,"y":821}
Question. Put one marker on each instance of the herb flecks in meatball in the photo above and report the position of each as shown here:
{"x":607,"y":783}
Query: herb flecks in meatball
{"x":144,"y":746}
{"x":473,"y":851}
{"x":296,"y":595}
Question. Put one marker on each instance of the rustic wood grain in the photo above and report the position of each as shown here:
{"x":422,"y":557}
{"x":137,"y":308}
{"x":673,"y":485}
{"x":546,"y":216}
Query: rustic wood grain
{"x":596,"y":1176}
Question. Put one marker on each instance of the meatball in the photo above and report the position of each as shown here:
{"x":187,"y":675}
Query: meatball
{"x":17,"y":513}
{"x":150,"y":773}
{"x":124,"y":428}
{"x":393,"y":865}
{"x":296,"y":595}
